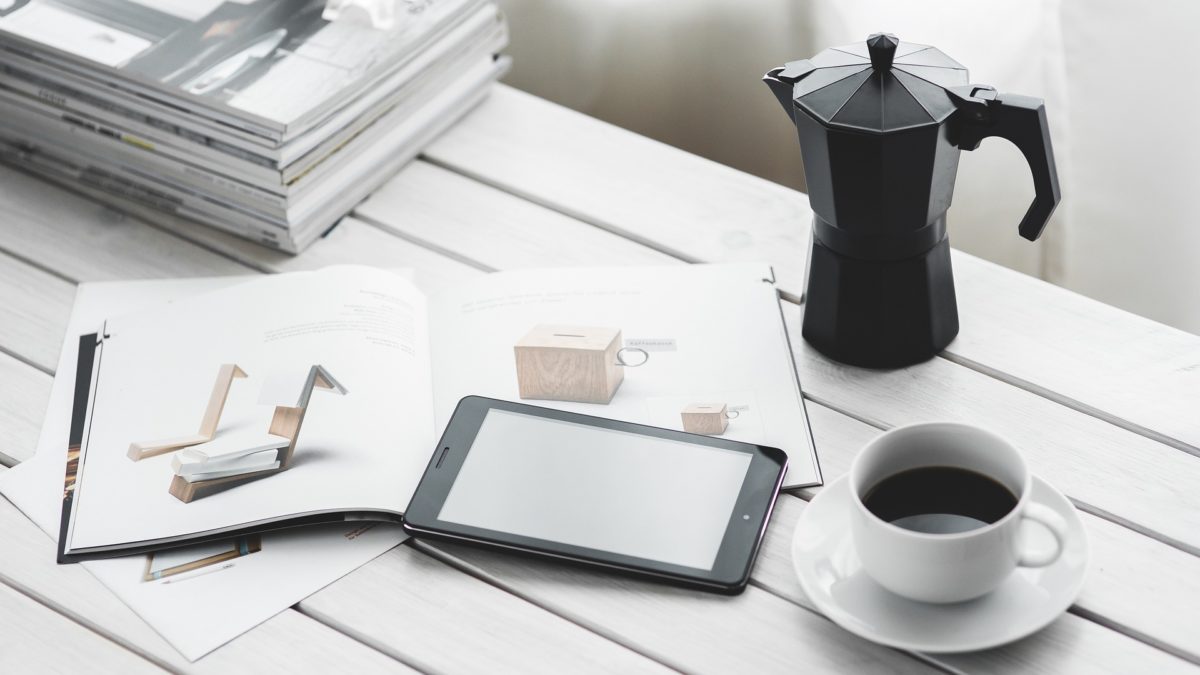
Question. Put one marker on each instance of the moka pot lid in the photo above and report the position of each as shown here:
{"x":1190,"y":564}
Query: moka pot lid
{"x":877,"y":86}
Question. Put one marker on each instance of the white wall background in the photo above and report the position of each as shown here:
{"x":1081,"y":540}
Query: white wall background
{"x":1117,"y":76}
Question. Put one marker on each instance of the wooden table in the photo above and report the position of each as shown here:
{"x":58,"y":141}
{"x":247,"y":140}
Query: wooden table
{"x":1106,"y":406}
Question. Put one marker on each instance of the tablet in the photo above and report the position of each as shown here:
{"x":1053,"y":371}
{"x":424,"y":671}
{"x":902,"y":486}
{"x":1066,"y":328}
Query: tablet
{"x":680,"y":507}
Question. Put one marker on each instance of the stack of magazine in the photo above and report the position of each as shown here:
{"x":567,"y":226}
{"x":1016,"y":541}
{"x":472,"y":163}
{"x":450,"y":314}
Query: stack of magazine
{"x":270,"y":119}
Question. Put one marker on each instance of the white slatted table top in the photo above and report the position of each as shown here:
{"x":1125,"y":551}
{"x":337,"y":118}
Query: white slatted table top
{"x":1106,"y":406}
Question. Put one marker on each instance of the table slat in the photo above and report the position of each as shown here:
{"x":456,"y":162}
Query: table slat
{"x":61,"y":230}
{"x":351,"y":242}
{"x":34,"y":638}
{"x":24,"y":393}
{"x":479,"y":219}
{"x":1118,"y":366}
{"x":418,"y":609}
{"x":644,"y":190}
{"x":691,"y":631}
{"x":32,"y":309}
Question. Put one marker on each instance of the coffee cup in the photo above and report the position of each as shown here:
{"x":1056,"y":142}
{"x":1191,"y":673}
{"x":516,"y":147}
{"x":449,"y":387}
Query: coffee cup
{"x":938,"y":509}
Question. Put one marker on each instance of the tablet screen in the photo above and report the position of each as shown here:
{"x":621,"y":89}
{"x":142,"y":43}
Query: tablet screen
{"x":626,"y":493}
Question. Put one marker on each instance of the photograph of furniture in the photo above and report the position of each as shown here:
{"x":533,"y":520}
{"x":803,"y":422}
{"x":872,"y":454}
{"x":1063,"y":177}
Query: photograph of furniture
{"x":238,"y":458}
{"x":208,"y":424}
{"x":1080,"y":349}
{"x":180,"y":561}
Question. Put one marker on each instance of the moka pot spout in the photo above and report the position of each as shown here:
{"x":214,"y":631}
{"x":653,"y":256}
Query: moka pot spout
{"x":781,"y":80}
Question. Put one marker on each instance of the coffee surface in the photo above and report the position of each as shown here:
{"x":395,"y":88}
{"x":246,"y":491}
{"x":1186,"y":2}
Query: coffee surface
{"x":939,"y":500}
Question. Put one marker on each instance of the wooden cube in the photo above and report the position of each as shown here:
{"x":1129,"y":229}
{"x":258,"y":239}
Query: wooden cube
{"x":569,"y":363}
{"x":705,"y":418}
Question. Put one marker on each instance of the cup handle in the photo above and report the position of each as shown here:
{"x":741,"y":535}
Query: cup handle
{"x":621,"y":358}
{"x":732,"y":414}
{"x":1054,"y":523}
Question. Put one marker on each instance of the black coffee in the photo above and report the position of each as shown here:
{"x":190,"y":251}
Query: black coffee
{"x":939,"y":500}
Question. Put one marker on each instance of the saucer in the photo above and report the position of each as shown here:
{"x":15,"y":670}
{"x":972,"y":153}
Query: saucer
{"x":832,"y":577}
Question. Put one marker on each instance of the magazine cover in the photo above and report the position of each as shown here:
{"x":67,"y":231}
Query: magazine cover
{"x":276,"y":62}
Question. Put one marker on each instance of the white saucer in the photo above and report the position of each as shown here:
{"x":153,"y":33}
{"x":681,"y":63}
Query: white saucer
{"x":832,"y":576}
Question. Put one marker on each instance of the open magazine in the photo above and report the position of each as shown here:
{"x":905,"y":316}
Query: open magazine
{"x":317,"y":396}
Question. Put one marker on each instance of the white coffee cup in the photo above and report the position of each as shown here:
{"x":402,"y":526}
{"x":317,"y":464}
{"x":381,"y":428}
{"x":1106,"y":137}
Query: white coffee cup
{"x":953,"y":567}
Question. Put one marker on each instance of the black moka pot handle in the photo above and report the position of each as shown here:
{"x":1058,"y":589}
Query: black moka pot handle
{"x":1022,"y":120}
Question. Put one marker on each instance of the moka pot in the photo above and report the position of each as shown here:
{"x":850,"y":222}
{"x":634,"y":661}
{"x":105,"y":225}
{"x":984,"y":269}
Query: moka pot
{"x":881,"y":124}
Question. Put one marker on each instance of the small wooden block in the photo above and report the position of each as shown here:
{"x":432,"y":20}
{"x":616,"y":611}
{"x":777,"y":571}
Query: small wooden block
{"x":705,"y":418}
{"x":569,"y":363}
{"x":187,"y":492}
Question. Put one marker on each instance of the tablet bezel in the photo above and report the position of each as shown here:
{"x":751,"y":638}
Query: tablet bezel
{"x":739,"y":545}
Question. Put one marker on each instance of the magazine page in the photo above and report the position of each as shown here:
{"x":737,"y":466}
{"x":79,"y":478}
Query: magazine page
{"x":285,"y":396}
{"x":196,"y":597}
{"x":700,"y":348}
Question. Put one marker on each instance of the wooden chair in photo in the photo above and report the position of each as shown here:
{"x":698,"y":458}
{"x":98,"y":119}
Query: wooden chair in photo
{"x":242,"y":457}
{"x":208,"y":424}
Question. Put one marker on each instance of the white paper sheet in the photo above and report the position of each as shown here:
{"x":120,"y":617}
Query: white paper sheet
{"x":202,"y":609}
